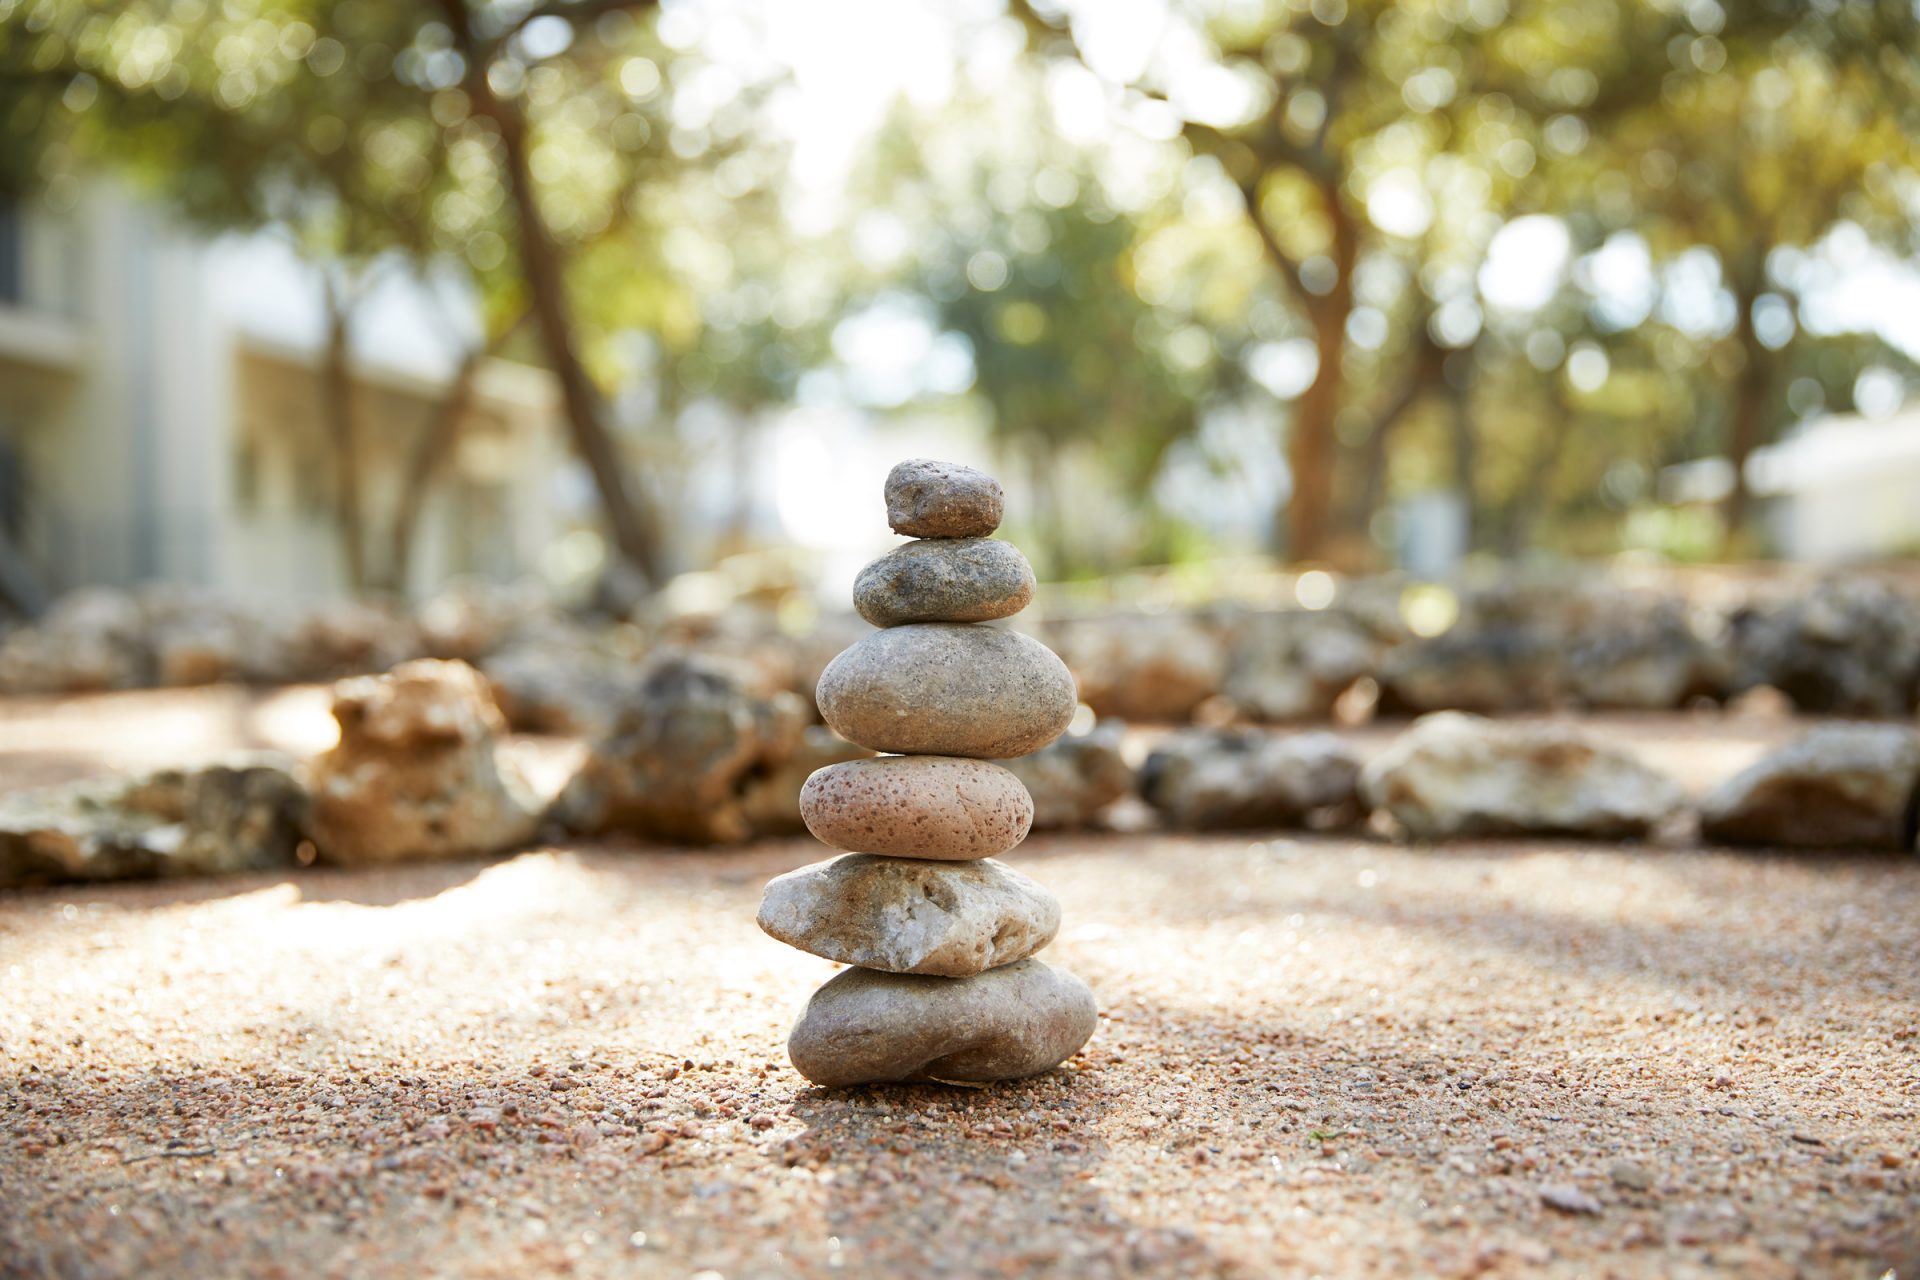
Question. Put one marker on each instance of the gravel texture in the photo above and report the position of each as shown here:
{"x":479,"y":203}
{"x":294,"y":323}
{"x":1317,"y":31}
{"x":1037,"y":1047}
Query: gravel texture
{"x":1315,"y":1056}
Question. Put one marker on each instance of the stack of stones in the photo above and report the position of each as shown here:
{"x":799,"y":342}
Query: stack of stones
{"x":940,"y":935}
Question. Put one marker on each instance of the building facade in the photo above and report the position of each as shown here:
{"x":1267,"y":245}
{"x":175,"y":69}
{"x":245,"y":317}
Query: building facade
{"x":161,"y":416}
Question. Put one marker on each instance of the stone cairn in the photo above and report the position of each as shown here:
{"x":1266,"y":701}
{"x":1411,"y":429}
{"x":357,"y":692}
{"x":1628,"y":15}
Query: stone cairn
{"x":940,"y":936}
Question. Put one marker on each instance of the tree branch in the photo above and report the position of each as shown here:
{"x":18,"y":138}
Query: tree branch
{"x":574,"y":11}
{"x":1208,"y":140}
{"x":1277,"y":254}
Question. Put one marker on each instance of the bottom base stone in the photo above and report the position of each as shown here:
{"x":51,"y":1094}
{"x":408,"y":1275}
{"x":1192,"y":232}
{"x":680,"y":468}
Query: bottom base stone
{"x":868,"y":1027}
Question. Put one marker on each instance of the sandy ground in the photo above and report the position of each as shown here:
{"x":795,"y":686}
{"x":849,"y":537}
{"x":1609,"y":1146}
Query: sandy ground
{"x":1318,"y":1056}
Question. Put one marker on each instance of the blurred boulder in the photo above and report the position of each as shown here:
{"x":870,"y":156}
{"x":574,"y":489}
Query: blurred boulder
{"x":90,"y":640}
{"x":190,"y":651}
{"x":76,"y":832}
{"x":418,"y":772}
{"x":1154,"y":668}
{"x":1453,"y":775}
{"x":682,"y":755}
{"x":819,"y":645}
{"x":197,"y":637}
{"x":1076,"y":778}
{"x":1839,"y":786}
{"x":1640,"y":651}
{"x":747,"y":636}
{"x":243,"y":814}
{"x":471,"y":619}
{"x":1503,"y":652}
{"x":565,"y":679}
{"x":1295,"y":665}
{"x":1496,"y":667}
{"x":1219,"y":779}
{"x":346,"y":638}
{"x":1848,"y":646}
{"x":771,"y":800}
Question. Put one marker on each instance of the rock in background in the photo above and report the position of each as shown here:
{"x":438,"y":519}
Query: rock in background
{"x":566,"y":679}
{"x":1223,"y":779}
{"x":1840,"y":786}
{"x":771,"y":799}
{"x":469,"y":620}
{"x":88,"y":641}
{"x":1452,"y":775}
{"x":1154,"y":669}
{"x":1643,"y":651}
{"x":1295,"y":665}
{"x":1847,"y":646}
{"x":418,"y":772}
{"x":349,"y":637}
{"x":195,"y":637}
{"x":1076,"y":779}
{"x":1512,"y":641}
{"x":682,"y":757}
{"x":245,"y":814}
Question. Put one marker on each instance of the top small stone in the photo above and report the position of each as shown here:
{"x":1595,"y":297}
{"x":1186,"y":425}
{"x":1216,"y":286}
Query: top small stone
{"x":927,"y":499}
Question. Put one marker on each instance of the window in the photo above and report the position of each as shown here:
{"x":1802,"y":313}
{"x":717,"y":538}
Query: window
{"x":246,"y":474}
{"x":12,"y":258}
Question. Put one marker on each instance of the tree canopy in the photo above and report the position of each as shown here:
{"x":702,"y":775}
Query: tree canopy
{"x":1525,"y":253}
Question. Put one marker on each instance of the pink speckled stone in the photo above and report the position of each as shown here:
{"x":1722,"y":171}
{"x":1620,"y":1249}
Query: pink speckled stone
{"x":940,"y":807}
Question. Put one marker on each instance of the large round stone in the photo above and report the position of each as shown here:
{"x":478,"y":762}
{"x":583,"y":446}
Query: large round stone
{"x":905,"y":915}
{"x":865,"y":1027}
{"x":927,"y":499}
{"x":943,"y":807}
{"x":944,"y":580}
{"x":948,"y":689}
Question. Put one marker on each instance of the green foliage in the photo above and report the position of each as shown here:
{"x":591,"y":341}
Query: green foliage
{"x":1330,"y":174}
{"x":346,"y":122}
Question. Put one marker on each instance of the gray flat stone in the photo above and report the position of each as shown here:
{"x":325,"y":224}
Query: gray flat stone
{"x":865,"y":1027}
{"x":905,"y":915}
{"x":948,"y":689}
{"x":944,"y":580}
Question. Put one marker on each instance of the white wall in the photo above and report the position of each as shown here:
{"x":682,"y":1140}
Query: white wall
{"x":1845,"y":489}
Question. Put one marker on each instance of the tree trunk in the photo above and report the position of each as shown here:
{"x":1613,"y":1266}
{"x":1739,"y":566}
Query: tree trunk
{"x":1043,"y":491}
{"x":745,"y":441}
{"x":429,"y":457}
{"x":1466,"y":465}
{"x":1746,"y":419}
{"x":1312,"y":445}
{"x":1531,"y":501}
{"x":1424,"y":361}
{"x":634,"y":537}
{"x":336,"y":398}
